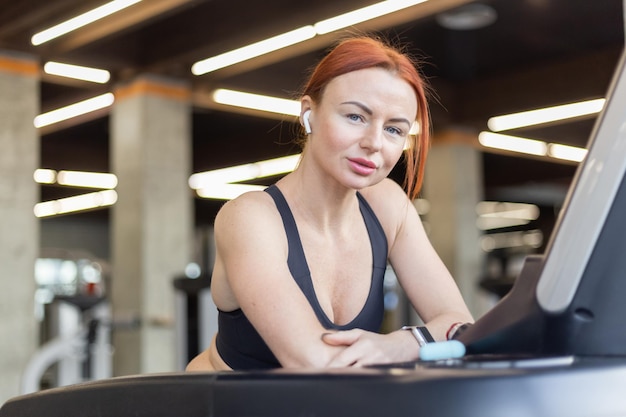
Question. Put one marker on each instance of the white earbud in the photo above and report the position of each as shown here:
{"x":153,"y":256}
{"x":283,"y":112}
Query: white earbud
{"x":305,"y":122}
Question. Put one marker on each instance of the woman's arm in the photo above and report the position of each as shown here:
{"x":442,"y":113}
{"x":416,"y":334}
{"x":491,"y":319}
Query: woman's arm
{"x":252,"y":273}
{"x":427,"y":282}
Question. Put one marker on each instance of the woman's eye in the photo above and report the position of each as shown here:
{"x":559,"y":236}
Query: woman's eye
{"x":394,"y":131}
{"x":355,"y":117}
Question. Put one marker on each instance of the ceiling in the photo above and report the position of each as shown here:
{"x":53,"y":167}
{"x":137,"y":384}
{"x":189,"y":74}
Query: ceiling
{"x":537,"y":53}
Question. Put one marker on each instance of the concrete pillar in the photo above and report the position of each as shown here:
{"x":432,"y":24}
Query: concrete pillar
{"x":19,"y":228}
{"x":152,"y":219}
{"x":453,"y":186}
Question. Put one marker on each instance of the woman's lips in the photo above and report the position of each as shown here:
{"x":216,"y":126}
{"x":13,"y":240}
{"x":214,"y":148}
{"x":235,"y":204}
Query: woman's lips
{"x":362,"y":166}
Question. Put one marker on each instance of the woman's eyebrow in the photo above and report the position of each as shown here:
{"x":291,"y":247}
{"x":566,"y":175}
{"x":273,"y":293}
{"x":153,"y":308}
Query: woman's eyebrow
{"x":370,"y":112}
{"x":400,"y":120}
{"x":361,"y":105}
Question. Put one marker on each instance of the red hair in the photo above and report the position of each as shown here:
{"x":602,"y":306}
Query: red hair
{"x":364,"y":52}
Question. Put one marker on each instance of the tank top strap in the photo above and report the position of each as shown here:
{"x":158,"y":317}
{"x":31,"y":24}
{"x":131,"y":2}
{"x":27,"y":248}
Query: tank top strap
{"x":378,"y":239}
{"x":296,"y":260}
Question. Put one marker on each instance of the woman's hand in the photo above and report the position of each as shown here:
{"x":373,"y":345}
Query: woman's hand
{"x":367,"y":348}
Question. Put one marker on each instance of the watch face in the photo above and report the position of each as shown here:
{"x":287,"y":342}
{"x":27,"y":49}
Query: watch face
{"x":421,"y":334}
{"x":427,"y":336}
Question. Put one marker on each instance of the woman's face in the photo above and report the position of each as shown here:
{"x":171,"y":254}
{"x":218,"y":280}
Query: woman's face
{"x":360,"y":126}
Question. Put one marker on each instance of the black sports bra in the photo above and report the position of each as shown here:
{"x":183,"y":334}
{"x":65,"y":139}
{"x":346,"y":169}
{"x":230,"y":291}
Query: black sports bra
{"x":238,"y":342}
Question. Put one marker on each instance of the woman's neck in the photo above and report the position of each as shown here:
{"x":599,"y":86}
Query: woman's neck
{"x":323,"y":204}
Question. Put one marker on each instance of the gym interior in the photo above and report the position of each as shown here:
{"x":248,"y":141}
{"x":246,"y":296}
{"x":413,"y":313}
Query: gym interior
{"x":110,"y":182}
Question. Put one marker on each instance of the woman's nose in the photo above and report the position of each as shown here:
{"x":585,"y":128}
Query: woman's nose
{"x":372,"y":138}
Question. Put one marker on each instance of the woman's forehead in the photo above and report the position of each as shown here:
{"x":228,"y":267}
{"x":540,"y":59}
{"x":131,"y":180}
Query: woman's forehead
{"x":372,"y":86}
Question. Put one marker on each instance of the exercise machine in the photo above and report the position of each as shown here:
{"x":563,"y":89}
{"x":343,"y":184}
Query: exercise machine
{"x":80,"y":349}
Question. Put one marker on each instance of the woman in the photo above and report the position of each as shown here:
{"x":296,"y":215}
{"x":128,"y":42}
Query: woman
{"x":299,"y":267}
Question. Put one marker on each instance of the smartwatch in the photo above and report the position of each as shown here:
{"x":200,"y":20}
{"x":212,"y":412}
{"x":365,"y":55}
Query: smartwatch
{"x":421,"y":334}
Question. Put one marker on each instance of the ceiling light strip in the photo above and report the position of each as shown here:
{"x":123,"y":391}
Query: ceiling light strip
{"x":81,"y":20}
{"x":221,"y":184}
{"x":244,"y":172}
{"x":566,"y":152}
{"x":86,"y":179}
{"x":507,"y":210}
{"x":74,"y":110}
{"x":77,"y":72}
{"x":361,"y":15}
{"x":502,"y":240}
{"x":76,"y":178}
{"x":497,"y":214}
{"x":513,"y":143}
{"x":545,"y":115}
{"x":300,"y":35}
{"x":45,"y":176}
{"x":76,"y":203}
{"x":251,"y":51}
{"x":256,"y":102}
{"x":532,"y":146}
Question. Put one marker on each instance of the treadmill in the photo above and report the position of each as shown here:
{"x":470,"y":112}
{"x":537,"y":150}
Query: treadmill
{"x":554,"y":346}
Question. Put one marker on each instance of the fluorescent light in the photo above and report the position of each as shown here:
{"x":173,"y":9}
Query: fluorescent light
{"x":245,"y":172}
{"x":546,"y":115}
{"x":93,"y":75}
{"x":257,"y":102}
{"x":76,"y":178}
{"x":87,"y":179}
{"x":81,"y":20}
{"x":45,"y":176}
{"x":227,"y":191}
{"x":490,"y":223}
{"x":76,"y":203}
{"x":361,"y":15}
{"x":221,"y":183}
{"x":73,"y":110}
{"x":493,"y":241}
{"x":253,"y":50}
{"x":531,"y":146}
{"x":513,"y":143}
{"x":496,"y":215}
{"x":568,"y":153}
{"x":300,"y":35}
{"x":507,"y":210}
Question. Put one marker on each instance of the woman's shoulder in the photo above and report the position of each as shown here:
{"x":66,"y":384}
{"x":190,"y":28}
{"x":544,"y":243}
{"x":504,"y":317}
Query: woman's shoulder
{"x":246,"y":210}
{"x":389,"y":203}
{"x":247,"y":201}
{"x":385,"y":194}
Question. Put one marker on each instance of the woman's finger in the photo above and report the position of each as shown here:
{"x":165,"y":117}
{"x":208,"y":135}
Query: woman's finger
{"x":341,"y":338}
